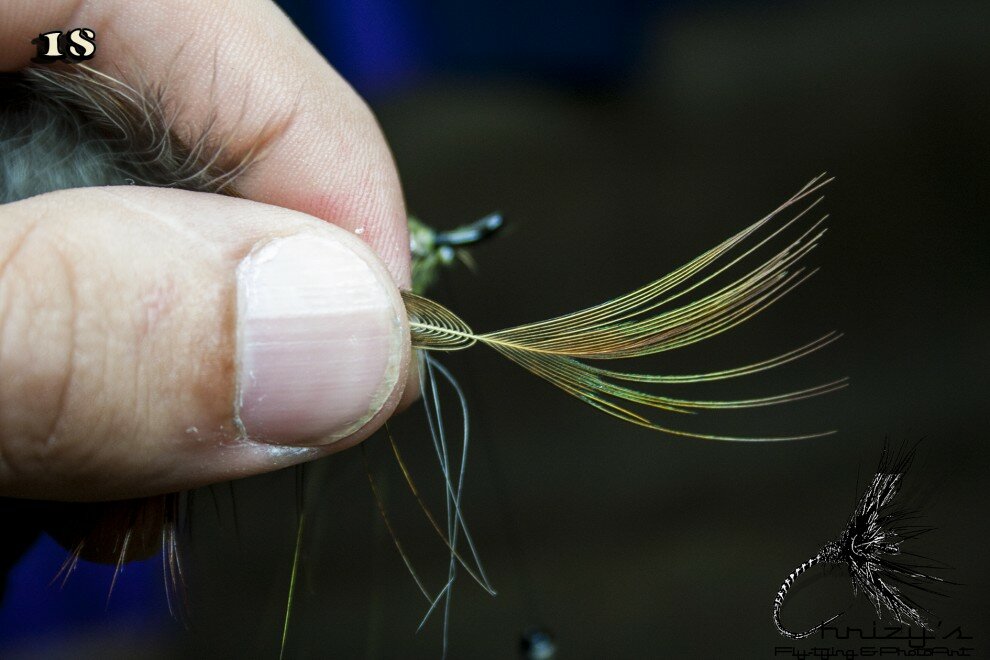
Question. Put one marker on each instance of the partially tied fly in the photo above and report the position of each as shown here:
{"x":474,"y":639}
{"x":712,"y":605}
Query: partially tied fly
{"x":709,"y":295}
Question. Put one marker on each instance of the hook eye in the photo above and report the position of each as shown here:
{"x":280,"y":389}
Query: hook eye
{"x":470,"y":233}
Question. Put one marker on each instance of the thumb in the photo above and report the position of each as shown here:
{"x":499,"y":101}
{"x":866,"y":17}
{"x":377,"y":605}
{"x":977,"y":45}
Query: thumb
{"x":155,"y":340}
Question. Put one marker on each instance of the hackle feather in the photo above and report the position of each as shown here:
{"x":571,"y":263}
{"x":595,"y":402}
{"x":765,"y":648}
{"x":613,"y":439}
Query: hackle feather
{"x":653,"y":319}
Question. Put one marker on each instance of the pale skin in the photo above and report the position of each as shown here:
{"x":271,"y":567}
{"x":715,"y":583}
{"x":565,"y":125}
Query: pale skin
{"x":118,"y":307}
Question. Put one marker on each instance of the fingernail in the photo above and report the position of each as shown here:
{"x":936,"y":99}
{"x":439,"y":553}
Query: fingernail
{"x":318,"y":341}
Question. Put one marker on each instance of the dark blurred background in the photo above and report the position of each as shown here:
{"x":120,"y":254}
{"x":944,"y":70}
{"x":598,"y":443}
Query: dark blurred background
{"x":621,"y":139}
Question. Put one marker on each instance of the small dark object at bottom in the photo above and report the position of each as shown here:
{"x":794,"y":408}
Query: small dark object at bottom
{"x":537,"y":644}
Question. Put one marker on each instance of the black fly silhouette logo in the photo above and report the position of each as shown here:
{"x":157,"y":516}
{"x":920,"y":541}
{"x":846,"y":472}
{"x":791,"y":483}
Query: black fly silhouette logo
{"x":872,"y":548}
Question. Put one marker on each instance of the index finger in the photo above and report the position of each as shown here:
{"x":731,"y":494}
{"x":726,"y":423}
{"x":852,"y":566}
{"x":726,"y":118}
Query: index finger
{"x":245,"y":69}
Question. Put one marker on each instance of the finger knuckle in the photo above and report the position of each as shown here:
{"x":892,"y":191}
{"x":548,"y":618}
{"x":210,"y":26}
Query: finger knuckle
{"x":37,"y":347}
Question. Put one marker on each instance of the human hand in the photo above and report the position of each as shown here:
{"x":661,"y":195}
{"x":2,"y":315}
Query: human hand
{"x":155,"y":340}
